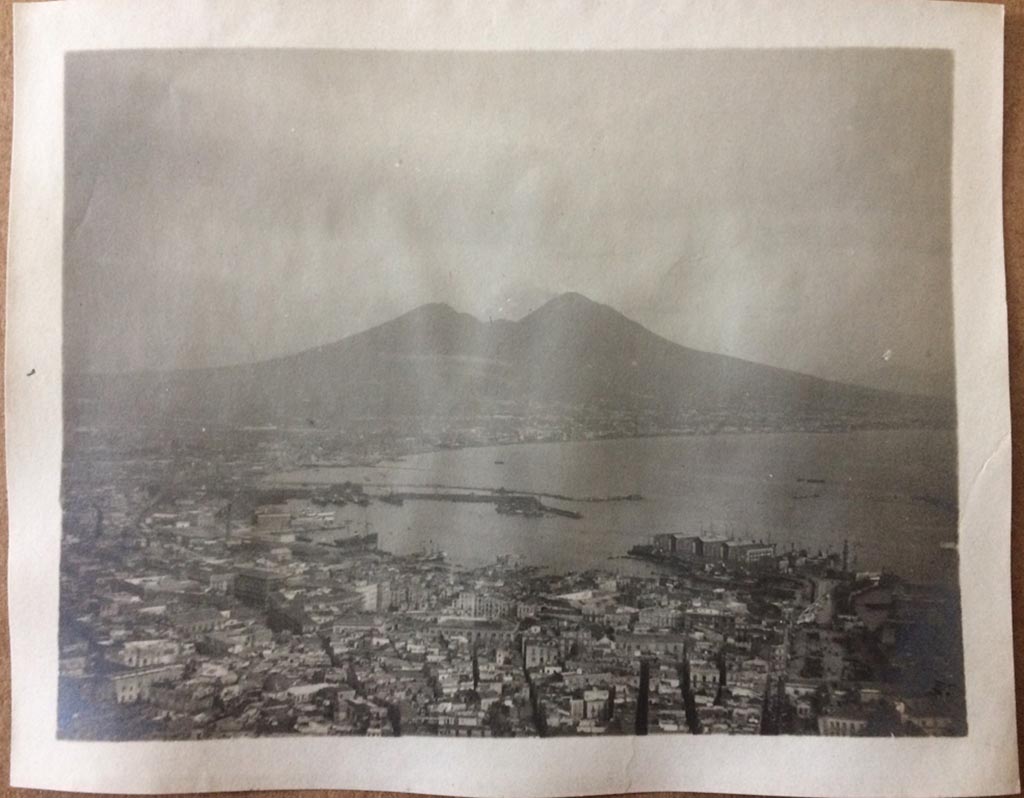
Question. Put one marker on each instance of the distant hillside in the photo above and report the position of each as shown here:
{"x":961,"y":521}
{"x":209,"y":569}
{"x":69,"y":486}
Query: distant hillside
{"x":896,"y":378}
{"x":569,"y":353}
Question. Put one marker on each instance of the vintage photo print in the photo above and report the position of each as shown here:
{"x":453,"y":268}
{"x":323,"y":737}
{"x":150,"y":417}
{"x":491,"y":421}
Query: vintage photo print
{"x":509,"y":400}
{"x":483,"y":394}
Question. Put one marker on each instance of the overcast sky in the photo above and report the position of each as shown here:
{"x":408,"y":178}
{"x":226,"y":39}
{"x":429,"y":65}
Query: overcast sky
{"x":788,"y":207}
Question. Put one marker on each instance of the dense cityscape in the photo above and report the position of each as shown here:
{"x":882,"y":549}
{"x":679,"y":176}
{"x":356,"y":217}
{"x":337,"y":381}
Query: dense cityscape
{"x":199,"y":599}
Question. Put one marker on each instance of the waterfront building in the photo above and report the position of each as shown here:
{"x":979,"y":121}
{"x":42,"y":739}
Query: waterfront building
{"x":745,"y":551}
{"x":713,"y":548}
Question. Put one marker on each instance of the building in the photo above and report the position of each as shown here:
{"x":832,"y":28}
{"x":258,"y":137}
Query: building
{"x":594,"y":704}
{"x":254,"y":586}
{"x":704,"y":675}
{"x":712,"y":548}
{"x":635,"y":644}
{"x":537,"y":654}
{"x":477,"y":605}
{"x":196,"y":622}
{"x":717,"y":618}
{"x":374,"y":597}
{"x":851,"y":722}
{"x":271,"y":520}
{"x":347,"y":625}
{"x":144,"y":653}
{"x":688,"y":545}
{"x":527,"y":610}
{"x":672,"y":543}
{"x":931,"y":715}
{"x":220,"y":582}
{"x":799,"y":687}
{"x":184,"y":697}
{"x":290,"y":617}
{"x":664,"y":543}
{"x":236,"y":640}
{"x":477,"y":631}
{"x":137,"y":685}
{"x":660,"y":617}
{"x":406,"y":594}
{"x":746,"y":551}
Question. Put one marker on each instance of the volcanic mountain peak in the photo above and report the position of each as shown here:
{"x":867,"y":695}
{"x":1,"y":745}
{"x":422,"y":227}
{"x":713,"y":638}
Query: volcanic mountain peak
{"x":431,"y":314}
{"x":572,"y":307}
{"x":433,"y":310}
{"x":435,"y":326}
{"x":570,"y":353}
{"x":570,"y":299}
{"x":569,"y":306}
{"x":439,"y":328}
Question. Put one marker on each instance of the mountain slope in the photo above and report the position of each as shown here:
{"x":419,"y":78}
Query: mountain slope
{"x":570,"y":353}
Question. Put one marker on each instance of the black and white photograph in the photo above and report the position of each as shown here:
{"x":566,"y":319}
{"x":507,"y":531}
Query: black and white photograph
{"x":513,"y":399}
{"x":508,"y":394}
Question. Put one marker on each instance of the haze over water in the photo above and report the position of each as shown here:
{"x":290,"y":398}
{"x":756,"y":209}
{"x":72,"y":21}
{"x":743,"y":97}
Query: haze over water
{"x":892,"y":494}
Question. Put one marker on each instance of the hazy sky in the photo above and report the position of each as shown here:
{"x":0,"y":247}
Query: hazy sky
{"x":789,"y":207}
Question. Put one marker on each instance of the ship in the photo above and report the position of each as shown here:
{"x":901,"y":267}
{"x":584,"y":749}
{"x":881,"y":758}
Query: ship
{"x":357,"y":542}
{"x":367,"y":541}
{"x":430,"y":553}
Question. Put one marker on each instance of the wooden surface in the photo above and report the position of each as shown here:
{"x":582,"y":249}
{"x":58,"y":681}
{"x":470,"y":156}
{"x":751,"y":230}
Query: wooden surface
{"x":1013,"y":205}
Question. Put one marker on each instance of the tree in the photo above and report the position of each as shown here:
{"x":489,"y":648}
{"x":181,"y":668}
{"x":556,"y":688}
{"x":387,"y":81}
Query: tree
{"x":498,"y":720}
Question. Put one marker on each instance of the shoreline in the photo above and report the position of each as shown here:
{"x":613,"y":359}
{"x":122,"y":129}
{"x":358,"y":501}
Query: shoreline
{"x":398,"y":457}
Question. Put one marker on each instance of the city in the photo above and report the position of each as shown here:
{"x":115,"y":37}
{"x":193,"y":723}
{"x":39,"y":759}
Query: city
{"x":216,"y":605}
{"x":615,"y":386}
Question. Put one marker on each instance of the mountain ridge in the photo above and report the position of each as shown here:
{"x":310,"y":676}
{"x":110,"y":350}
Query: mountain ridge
{"x":434,"y":360}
